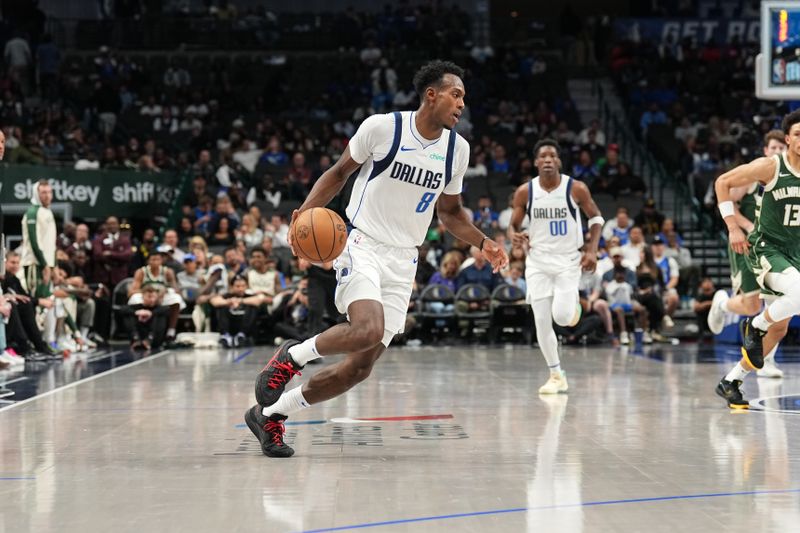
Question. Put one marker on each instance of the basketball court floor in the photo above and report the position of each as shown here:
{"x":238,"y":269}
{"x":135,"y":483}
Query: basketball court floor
{"x":437,"y":439}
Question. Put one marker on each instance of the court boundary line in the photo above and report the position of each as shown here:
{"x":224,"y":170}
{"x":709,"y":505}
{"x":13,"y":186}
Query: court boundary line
{"x":549,"y":508}
{"x":86,"y":380}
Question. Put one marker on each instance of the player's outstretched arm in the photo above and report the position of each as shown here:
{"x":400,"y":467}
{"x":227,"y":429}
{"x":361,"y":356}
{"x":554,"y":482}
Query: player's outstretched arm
{"x":515,"y":234}
{"x":761,"y":170}
{"x":330,"y":183}
{"x":582,"y":196}
{"x":327,"y":187}
{"x":452,"y":215}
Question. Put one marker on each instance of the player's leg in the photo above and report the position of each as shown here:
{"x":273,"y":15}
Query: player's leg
{"x":745,"y":302}
{"x":786,"y":282}
{"x":363,"y":331}
{"x":771,"y":342}
{"x":548,"y":344}
{"x":567,"y":308}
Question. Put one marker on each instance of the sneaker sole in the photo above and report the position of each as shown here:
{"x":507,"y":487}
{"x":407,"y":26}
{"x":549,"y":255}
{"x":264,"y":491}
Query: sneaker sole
{"x":735,"y":406}
{"x":266,"y":396}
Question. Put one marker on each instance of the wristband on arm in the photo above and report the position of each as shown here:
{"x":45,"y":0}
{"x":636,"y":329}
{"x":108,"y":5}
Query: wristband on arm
{"x":726,"y":209}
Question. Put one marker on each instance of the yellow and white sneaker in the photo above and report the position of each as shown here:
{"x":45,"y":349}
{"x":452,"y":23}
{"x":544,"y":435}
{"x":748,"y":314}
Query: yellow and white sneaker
{"x":770,"y":369}
{"x":555,"y":385}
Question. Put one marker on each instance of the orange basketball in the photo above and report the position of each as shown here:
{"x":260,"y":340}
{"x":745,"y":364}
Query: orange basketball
{"x":319,"y":235}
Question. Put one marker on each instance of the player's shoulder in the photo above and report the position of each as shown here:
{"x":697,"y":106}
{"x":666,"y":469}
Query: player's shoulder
{"x":461,"y":143}
{"x":379,"y":122}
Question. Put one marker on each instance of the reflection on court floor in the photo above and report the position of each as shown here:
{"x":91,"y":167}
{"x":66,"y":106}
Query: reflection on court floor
{"x":444,"y":439}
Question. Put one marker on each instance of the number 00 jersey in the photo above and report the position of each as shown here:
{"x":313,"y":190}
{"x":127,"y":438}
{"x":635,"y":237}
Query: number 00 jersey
{"x":402,"y":175}
{"x":555,"y":222}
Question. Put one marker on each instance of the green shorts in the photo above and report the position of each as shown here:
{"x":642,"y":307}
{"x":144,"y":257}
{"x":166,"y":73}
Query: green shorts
{"x":765,"y":257}
{"x":743,"y":280}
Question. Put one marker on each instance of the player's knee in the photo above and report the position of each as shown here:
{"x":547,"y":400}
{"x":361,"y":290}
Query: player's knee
{"x":358,"y":369}
{"x":752,"y":306}
{"x":369,"y":333}
{"x":565,"y":315}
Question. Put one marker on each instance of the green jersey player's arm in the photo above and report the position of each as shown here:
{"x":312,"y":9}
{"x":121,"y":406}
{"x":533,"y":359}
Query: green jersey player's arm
{"x":736,"y":194}
{"x":330,"y":183}
{"x":761,"y":170}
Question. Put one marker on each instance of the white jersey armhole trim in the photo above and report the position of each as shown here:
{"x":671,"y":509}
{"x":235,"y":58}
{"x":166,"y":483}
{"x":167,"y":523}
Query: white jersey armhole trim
{"x":771,"y":184}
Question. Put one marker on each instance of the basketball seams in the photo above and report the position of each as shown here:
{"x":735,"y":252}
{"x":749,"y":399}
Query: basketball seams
{"x":298,"y":242}
{"x":334,"y":235}
{"x":313,"y":235}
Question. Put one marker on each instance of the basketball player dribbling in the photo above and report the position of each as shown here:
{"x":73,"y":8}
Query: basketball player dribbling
{"x":408,"y":163}
{"x":555,"y":240}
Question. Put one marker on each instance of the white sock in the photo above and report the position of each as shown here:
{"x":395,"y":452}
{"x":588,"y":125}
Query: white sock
{"x":171,"y":332}
{"x":290,"y":402}
{"x":737,"y":372}
{"x":555,"y":370}
{"x":761,"y":322}
{"x":305,"y":351}
{"x":724,"y":305}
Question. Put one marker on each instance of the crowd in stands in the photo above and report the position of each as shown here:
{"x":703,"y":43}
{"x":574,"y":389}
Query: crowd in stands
{"x":225,"y":266}
{"x":694,"y":105}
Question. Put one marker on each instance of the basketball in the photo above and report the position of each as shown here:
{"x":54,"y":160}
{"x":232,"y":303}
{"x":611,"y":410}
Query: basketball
{"x":319,"y":235}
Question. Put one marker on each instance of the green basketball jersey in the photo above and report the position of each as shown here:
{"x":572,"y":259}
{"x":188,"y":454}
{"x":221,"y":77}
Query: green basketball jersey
{"x":778,"y":222}
{"x":748,"y":203}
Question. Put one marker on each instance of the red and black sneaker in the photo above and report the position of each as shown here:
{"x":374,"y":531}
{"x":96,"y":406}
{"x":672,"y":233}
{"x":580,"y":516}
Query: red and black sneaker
{"x":272,"y":380}
{"x":269,"y":432}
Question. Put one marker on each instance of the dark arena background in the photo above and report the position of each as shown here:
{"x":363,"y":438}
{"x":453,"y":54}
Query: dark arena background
{"x":179,"y":136}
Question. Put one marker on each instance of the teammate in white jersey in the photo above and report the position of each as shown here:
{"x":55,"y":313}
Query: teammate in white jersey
{"x":557,"y":253}
{"x":407,"y":164}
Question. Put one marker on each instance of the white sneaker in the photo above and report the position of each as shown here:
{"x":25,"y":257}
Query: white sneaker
{"x":624,"y":338}
{"x":12,"y":358}
{"x":716,"y":316}
{"x":556,"y":384}
{"x":770,"y":369}
{"x":667,"y":322}
{"x":647,"y":337}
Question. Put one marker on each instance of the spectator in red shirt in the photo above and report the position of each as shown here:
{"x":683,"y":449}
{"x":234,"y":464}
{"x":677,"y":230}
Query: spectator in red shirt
{"x":111,"y":252}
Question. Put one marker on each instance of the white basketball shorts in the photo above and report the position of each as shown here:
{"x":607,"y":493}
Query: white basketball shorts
{"x":371,"y":270}
{"x":559,"y":274}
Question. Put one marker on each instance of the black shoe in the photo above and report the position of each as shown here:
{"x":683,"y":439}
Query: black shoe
{"x":273,"y":378}
{"x":269,"y":432}
{"x":752,"y":348}
{"x":729,"y":390}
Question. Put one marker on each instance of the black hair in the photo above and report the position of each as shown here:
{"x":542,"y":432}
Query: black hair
{"x":431,"y":74}
{"x":790,"y":120}
{"x":258,"y":249}
{"x":546,"y":142}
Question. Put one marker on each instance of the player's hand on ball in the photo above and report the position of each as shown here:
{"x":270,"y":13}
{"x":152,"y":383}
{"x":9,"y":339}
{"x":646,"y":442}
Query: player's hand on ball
{"x":738,"y":241}
{"x":495,"y":254}
{"x":295,"y":214}
{"x":589,"y":261}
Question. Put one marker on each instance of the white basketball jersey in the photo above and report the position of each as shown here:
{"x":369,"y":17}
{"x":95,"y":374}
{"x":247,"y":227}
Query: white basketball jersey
{"x":401,"y":177}
{"x":555,"y":227}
